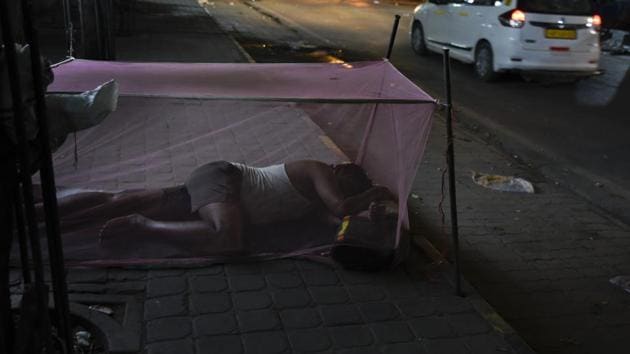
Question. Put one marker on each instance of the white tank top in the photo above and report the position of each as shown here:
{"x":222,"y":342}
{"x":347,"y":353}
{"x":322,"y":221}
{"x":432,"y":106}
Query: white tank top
{"x":267,"y":195}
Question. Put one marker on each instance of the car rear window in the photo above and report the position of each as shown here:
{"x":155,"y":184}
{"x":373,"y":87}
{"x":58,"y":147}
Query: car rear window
{"x":559,"y":7}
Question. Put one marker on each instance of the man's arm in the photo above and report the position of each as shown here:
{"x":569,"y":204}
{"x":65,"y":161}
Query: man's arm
{"x":330,"y":193}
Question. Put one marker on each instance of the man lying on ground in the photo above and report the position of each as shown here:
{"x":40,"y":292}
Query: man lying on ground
{"x":220,"y":198}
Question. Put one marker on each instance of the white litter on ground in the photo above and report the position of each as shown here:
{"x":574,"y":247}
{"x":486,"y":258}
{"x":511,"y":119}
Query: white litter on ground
{"x":503,"y":183}
{"x":622,"y":281}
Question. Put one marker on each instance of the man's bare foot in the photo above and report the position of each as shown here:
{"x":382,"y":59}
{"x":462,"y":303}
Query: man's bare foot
{"x":124,"y":225}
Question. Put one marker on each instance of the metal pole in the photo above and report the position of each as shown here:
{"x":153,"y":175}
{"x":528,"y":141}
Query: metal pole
{"x":450,"y":157}
{"x":21,"y":233}
{"x":47,"y":178}
{"x":67,"y":19}
{"x":24,"y":164}
{"x":97,"y":29}
{"x":392,"y":38}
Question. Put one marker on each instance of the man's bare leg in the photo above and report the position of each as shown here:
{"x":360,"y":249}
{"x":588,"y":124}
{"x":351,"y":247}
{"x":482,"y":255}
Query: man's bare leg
{"x":91,"y":208}
{"x":218,"y":229}
{"x":73,"y":203}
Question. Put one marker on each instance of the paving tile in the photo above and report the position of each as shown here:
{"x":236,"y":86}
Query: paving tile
{"x":247,"y":282}
{"x":431,"y":327}
{"x":220,"y":345}
{"x":365,"y":293}
{"x":258,"y":320}
{"x":306,"y":265}
{"x":208,"y":283}
{"x":487,"y":344}
{"x":320,"y":277}
{"x":284,"y":280}
{"x":355,"y":277}
{"x":392,"y":332}
{"x":291,"y":298}
{"x":165,"y":273}
{"x":337,"y":315}
{"x":201,"y":303}
{"x":446,"y":346}
{"x":252,"y":300}
{"x":166,"y":286}
{"x":326,"y":295}
{"x":86,"y":276}
{"x":166,"y":306}
{"x":300,"y":318}
{"x":451,"y":304}
{"x":404,"y":348}
{"x":419,"y":307}
{"x":184,"y":346}
{"x":216,"y":269}
{"x":265,"y":342}
{"x":402,"y":291}
{"x":379,"y":311}
{"x":352,"y":336}
{"x":125,"y":287}
{"x":86,"y":288}
{"x":358,"y":350}
{"x":125,"y":275}
{"x":168,"y":328}
{"x":242,"y":268}
{"x":278,"y":266}
{"x":310,"y":340}
{"x":214,"y":324}
{"x":468,"y":323}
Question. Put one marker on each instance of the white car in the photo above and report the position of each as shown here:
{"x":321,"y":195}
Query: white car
{"x":521,"y":35}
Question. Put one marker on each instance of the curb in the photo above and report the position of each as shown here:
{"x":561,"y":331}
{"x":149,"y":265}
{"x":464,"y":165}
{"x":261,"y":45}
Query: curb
{"x":238,"y":46}
{"x":483,"y":308}
{"x":241,"y":49}
{"x":609,"y":200}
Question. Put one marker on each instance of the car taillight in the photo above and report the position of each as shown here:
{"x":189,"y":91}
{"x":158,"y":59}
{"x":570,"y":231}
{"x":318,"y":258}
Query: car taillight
{"x":514,"y":18}
{"x":595,"y":21}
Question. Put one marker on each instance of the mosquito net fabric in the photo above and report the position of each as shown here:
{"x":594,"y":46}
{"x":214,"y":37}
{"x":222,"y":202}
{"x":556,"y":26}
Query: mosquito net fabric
{"x":172,"y":118}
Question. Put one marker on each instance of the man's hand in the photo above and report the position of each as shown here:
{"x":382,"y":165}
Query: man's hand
{"x":383,"y":193}
{"x":381,"y":211}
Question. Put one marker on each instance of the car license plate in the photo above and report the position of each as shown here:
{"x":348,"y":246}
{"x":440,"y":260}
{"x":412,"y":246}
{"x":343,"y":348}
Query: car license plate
{"x":561,"y":33}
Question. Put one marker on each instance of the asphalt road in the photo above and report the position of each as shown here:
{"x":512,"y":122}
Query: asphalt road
{"x":577,"y":134}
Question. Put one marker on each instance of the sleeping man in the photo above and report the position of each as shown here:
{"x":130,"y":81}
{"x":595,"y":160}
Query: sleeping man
{"x":220,"y":198}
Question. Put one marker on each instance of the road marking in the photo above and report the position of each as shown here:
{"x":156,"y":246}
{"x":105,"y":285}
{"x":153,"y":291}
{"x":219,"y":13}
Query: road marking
{"x":287,"y":22}
{"x":239,"y":47}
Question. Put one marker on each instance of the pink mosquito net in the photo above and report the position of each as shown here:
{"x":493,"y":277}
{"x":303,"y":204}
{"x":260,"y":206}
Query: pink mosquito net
{"x":172,"y":118}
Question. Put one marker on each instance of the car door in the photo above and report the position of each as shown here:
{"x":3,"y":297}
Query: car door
{"x":435,"y":22}
{"x":461,"y":25}
{"x":468,"y":18}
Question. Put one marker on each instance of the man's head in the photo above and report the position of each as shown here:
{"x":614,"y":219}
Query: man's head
{"x":351,"y":178}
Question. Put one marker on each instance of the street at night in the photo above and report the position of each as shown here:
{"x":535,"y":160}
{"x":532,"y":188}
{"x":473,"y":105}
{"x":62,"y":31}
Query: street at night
{"x":255,"y":176}
{"x":574,"y":132}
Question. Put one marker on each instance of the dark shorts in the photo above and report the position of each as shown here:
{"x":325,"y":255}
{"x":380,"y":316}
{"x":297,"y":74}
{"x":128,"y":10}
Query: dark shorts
{"x":214,"y":182}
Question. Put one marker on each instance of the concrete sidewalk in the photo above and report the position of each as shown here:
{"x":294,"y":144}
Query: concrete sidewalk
{"x":176,"y":31}
{"x":542,"y":260}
